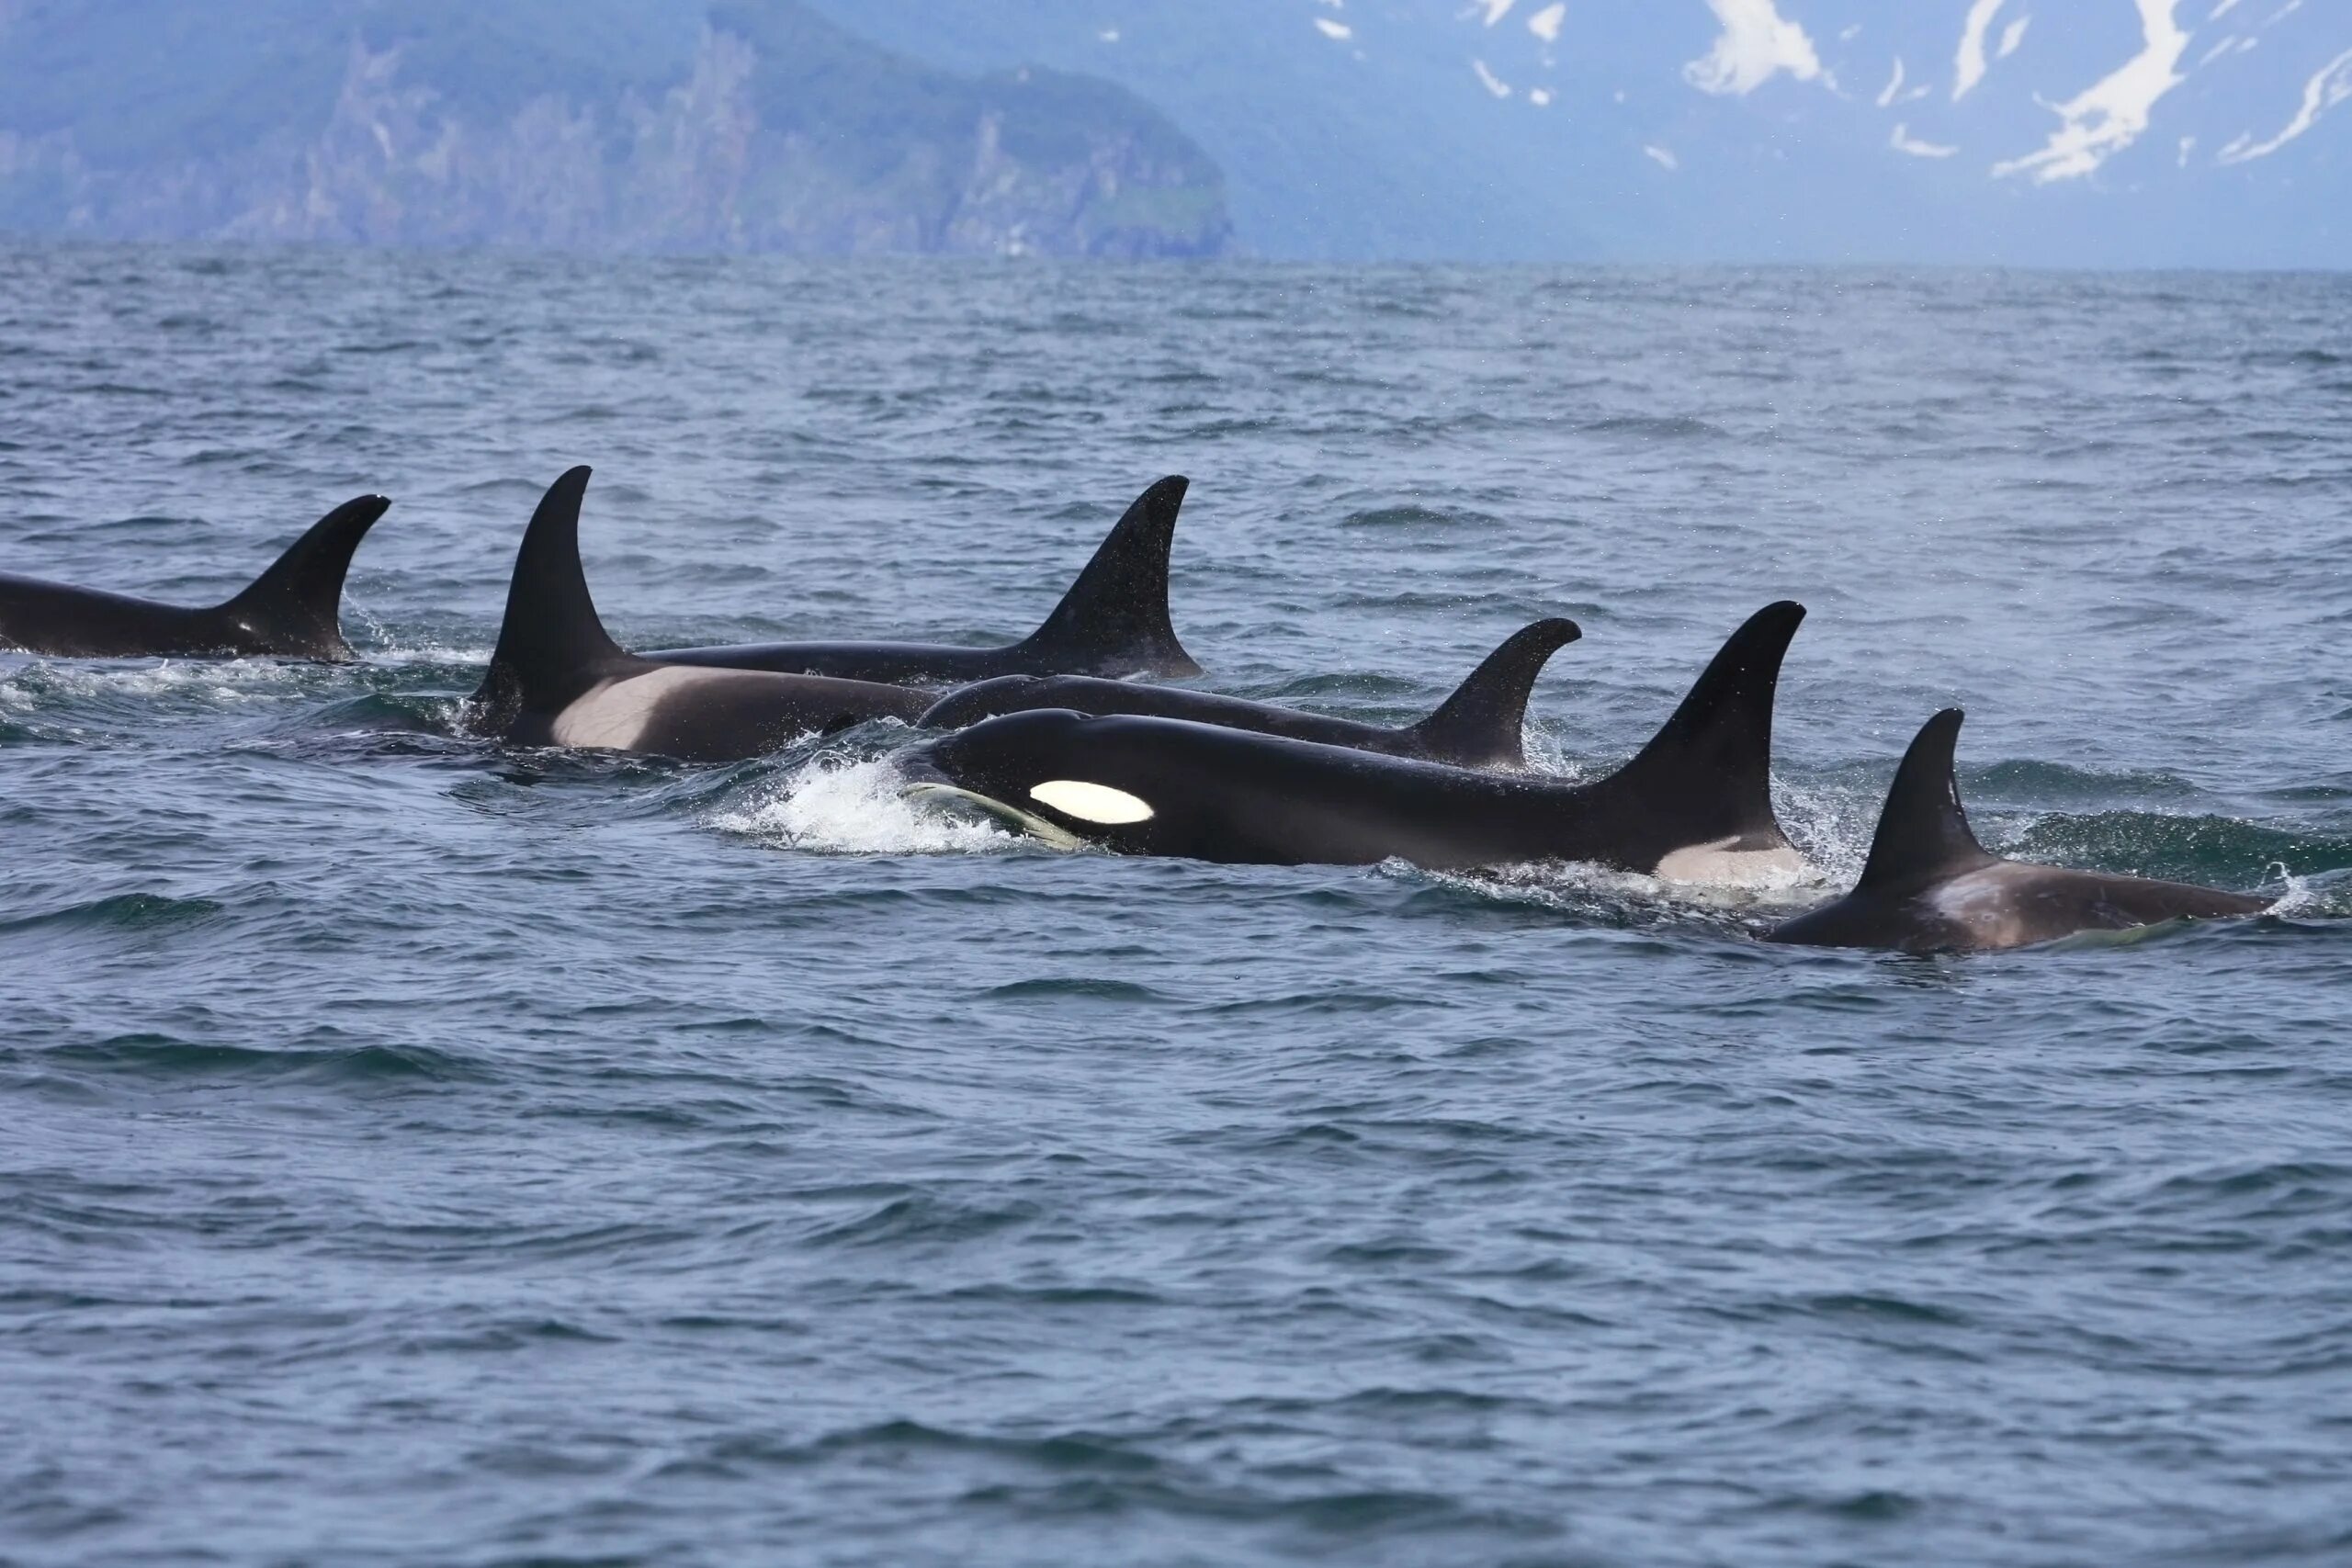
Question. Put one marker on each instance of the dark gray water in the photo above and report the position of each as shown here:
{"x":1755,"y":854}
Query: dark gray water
{"x":412,"y":1154}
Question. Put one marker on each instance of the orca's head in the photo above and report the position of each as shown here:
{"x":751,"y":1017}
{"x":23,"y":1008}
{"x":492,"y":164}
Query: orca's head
{"x":982,"y":699}
{"x":1057,"y":773}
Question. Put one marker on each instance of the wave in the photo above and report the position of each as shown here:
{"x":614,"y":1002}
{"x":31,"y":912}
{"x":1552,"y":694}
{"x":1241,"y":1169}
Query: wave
{"x":149,"y":1055}
{"x":143,"y":912}
{"x":839,"y":802}
{"x":1655,"y":427}
{"x":2222,"y":850}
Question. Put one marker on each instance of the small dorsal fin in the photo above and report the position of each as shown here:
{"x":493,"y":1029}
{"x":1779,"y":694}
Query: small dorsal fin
{"x":1479,"y":726}
{"x":1710,"y":766}
{"x":295,"y":606}
{"x":1113,"y":621}
{"x":1923,"y":833}
{"x":551,"y":646}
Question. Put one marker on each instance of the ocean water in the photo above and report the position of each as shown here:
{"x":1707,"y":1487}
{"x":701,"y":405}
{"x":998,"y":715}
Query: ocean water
{"x":413,"y":1152}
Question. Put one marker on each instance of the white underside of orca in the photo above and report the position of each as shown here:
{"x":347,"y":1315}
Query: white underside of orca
{"x":1717,"y":863}
{"x":1984,"y":902}
{"x":615,"y":716}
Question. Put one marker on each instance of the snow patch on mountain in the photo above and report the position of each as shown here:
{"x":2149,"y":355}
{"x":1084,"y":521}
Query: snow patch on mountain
{"x":1894,"y":85}
{"x":2320,"y":94}
{"x":1756,"y":44}
{"x":2111,"y":113}
{"x":1968,"y":62}
{"x":1904,"y":141}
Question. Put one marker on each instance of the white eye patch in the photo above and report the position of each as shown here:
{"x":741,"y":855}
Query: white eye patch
{"x":1090,"y":802}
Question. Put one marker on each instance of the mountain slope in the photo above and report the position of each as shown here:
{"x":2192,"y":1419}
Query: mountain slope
{"x":2089,"y":133}
{"x":757,"y":125}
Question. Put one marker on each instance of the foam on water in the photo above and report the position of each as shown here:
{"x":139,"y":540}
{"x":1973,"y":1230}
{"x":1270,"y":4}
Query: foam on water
{"x":42,"y":680}
{"x":836,"y":803}
{"x":1582,"y":889}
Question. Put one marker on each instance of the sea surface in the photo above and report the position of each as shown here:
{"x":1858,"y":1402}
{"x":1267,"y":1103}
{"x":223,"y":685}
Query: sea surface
{"x":417,"y":1153}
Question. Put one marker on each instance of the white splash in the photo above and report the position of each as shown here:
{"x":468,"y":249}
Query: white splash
{"x":1539,"y":96}
{"x":2187,"y":145}
{"x":1756,"y":44}
{"x":1109,"y":35}
{"x":2218,"y":50}
{"x":2012,"y":36}
{"x":1332,"y":29}
{"x":1488,"y":80}
{"x":2300,"y":896}
{"x":1662,"y":158}
{"x":1498,"y":9}
{"x":423,"y":653}
{"x":838,"y":804}
{"x":2223,"y":9}
{"x":2320,"y":94}
{"x":1902,"y":141}
{"x":1545,"y":24}
{"x":1968,"y":65}
{"x":2111,"y":113}
{"x":1831,"y":829}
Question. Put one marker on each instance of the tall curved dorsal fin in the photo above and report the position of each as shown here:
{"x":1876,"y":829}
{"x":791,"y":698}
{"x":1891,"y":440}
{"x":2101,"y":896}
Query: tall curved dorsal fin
{"x":1479,"y":724}
{"x":297,"y":603}
{"x":552,"y":644}
{"x":1923,"y":833}
{"x":1710,"y":766}
{"x":1114,"y":620}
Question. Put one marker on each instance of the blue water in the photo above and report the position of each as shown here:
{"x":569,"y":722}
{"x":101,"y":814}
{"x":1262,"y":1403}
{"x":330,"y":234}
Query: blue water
{"x":415,"y":1154}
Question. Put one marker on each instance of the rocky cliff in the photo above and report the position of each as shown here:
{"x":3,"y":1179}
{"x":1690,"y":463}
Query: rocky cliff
{"x":759,"y":127}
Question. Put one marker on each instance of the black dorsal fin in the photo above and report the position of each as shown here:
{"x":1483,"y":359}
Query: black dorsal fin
{"x":1709,"y":769}
{"x":552,"y":646}
{"x":295,"y":606}
{"x":1923,"y":833}
{"x":1479,"y":726}
{"x":1113,"y":621}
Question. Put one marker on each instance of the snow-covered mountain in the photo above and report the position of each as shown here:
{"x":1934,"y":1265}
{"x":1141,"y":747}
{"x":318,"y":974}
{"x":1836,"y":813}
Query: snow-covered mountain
{"x":2110,"y":133}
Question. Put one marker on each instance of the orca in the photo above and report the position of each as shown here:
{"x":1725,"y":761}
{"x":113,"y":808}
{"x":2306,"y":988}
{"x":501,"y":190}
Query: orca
{"x":1693,"y":805}
{"x":1478,"y":726}
{"x":558,"y":679}
{"x":291,"y":610}
{"x":1930,"y":888}
{"x":1113,"y":621}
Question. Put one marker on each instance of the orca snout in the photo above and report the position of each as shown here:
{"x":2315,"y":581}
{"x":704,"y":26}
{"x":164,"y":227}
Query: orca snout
{"x":916,"y":766}
{"x":1003,"y":756}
